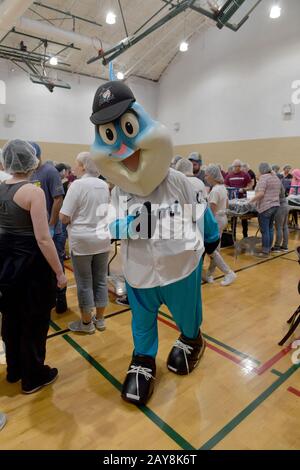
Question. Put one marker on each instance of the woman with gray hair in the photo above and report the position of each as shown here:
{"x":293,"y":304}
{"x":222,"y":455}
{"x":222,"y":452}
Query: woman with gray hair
{"x":186,"y":167}
{"x":175,"y":160}
{"x":267,"y":202}
{"x":85,"y":210}
{"x":218,"y":201}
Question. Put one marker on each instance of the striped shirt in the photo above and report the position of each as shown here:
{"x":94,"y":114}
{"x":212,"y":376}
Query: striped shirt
{"x":270,"y":185}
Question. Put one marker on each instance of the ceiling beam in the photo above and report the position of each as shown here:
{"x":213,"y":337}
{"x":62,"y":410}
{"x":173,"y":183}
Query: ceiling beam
{"x":70,"y":46}
{"x":128,"y":42}
{"x":67,"y":13}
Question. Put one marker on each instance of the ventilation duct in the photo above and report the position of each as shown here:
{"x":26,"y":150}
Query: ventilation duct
{"x":10,"y":12}
{"x":46,"y":30}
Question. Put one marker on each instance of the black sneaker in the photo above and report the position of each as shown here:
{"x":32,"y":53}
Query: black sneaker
{"x":52,"y":376}
{"x":186,"y":354}
{"x":285,"y":250}
{"x":276,"y":249}
{"x":13,"y":378}
{"x":61,"y":304}
{"x":139,"y":383}
{"x":122,"y":300}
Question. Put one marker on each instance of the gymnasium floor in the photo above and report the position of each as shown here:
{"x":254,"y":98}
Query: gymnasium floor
{"x":245,"y":394}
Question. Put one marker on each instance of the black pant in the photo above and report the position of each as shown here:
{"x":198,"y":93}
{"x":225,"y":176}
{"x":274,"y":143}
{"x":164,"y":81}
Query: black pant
{"x":24,"y":334}
{"x":244,"y":225}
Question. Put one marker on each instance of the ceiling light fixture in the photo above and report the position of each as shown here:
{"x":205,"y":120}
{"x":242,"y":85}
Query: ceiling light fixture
{"x":275,"y":12}
{"x":53,"y":61}
{"x":183,"y":46}
{"x":110,"y":18}
{"x":120,"y":76}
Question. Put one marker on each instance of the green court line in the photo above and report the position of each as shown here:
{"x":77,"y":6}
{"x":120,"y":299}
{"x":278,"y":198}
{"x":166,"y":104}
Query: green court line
{"x":276,"y":372}
{"x":255,"y":264}
{"x":219,"y":343}
{"x":58,"y":333}
{"x":117,"y":313}
{"x":54,"y":326}
{"x":168,"y":430}
{"x":220,"y":435}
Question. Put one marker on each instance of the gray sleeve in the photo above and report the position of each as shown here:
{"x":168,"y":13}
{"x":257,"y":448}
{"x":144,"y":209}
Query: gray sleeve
{"x":55,"y":184}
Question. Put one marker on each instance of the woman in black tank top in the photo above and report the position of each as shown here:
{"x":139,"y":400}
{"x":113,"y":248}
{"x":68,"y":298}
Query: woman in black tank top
{"x":28,"y":264}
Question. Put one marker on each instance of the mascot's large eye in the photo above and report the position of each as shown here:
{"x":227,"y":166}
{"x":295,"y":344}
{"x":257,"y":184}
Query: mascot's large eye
{"x":130,"y":124}
{"x":108,"y":133}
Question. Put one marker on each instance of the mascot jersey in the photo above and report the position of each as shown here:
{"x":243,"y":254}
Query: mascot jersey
{"x":176,"y":244}
{"x":159,"y":223}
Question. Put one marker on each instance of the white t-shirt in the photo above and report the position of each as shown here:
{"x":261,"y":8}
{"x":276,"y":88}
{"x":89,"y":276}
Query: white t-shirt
{"x":161,"y":261}
{"x":219,"y":196}
{"x":4,"y":176}
{"x":199,"y":188}
{"x":86,"y":203}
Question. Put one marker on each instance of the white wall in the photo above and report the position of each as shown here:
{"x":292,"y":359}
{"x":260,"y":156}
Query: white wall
{"x":227,"y":87}
{"x":232,"y":86}
{"x":61,"y":116}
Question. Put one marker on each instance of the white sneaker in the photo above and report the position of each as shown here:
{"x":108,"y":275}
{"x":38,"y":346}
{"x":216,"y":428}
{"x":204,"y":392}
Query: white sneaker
{"x":99,"y":324}
{"x":79,"y":327}
{"x":228,"y":279}
{"x":206,"y":277}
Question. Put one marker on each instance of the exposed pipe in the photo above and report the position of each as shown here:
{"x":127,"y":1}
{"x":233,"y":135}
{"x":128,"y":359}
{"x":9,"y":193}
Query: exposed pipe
{"x":27,"y":24}
{"x":10,"y":12}
{"x":154,"y":46}
{"x":117,"y":50}
{"x":68,"y":13}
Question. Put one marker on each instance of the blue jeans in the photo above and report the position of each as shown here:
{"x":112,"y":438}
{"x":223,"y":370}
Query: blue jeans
{"x":59,"y":241}
{"x":266,"y":225}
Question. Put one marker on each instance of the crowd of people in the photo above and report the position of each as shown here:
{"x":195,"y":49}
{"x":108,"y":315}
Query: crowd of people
{"x":43,"y":204}
{"x":271,"y":186}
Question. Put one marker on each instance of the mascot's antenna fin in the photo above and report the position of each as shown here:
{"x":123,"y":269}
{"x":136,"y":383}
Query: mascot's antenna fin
{"x":112,"y":76}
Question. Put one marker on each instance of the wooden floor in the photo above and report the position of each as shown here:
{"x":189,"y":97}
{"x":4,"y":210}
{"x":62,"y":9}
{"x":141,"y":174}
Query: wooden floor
{"x":245,"y":393}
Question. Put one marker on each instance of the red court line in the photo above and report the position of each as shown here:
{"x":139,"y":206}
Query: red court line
{"x":258,"y":370}
{"x":294,"y":391}
{"x":68,"y":268}
{"x":210,"y":346}
{"x":268,"y":364}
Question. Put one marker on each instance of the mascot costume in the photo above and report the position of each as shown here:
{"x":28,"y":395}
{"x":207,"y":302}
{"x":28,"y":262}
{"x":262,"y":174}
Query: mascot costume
{"x":162,"y":262}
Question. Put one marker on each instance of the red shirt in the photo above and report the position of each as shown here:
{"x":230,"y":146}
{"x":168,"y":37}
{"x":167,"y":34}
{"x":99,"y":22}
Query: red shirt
{"x":237,"y":180}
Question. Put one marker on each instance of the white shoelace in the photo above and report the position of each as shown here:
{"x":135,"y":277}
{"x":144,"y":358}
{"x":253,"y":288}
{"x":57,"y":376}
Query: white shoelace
{"x":186,"y":350}
{"x":146,"y":372}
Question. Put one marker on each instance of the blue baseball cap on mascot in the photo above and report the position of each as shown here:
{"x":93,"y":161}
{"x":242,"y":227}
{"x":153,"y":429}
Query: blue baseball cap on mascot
{"x":130,"y":149}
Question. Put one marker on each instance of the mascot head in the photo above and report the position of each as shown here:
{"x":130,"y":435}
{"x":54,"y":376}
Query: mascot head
{"x":130,"y":149}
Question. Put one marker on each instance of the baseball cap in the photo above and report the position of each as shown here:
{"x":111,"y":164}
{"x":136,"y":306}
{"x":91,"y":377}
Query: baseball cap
{"x":195,"y":157}
{"x":37,"y":149}
{"x":111,"y":101}
{"x":60,"y":167}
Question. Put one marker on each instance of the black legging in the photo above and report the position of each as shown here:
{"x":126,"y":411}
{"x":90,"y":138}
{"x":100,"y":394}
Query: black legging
{"x":24,"y":333}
